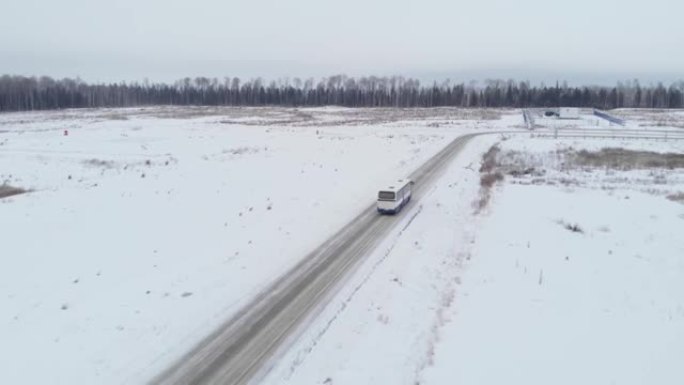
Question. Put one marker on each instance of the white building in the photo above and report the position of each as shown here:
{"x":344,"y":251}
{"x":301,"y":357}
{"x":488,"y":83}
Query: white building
{"x":569,"y":113}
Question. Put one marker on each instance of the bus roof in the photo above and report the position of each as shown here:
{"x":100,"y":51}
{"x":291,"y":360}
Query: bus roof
{"x":398,"y":185}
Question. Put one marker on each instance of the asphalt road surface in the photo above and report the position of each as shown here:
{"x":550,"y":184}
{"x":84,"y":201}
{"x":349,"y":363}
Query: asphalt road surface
{"x":236,"y":351}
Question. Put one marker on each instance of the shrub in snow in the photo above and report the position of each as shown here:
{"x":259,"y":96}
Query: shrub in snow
{"x":488,"y":180}
{"x":575,"y":228}
{"x":678,"y":197}
{"x":7,"y":190}
{"x":489,"y":159}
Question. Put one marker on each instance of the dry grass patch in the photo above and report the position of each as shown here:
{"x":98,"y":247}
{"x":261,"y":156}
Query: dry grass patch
{"x":489,"y":159}
{"x":115,"y":116}
{"x":7,"y":191}
{"x":678,"y":197}
{"x":489,"y":175}
{"x":99,"y":163}
{"x":488,"y":180}
{"x":622,"y":159}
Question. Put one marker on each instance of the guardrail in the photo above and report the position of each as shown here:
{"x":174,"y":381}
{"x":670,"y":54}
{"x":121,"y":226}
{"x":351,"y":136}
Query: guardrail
{"x":608,"y":117}
{"x":607,"y":133}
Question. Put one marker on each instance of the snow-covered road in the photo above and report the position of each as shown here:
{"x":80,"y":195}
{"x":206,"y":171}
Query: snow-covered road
{"x":234,"y":353}
{"x":571,"y":274}
{"x":145,"y":229}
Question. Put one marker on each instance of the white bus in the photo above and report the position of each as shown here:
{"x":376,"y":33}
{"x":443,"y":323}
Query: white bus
{"x":392,"y":199}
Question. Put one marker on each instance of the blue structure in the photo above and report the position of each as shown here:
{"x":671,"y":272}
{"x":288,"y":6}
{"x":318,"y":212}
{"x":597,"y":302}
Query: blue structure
{"x":609,"y":118}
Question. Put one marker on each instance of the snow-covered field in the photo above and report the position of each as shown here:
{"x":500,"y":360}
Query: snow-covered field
{"x":146,"y":228}
{"x":571,"y":274}
{"x":652,"y":118}
{"x":576,"y":276}
{"x":143,"y":229}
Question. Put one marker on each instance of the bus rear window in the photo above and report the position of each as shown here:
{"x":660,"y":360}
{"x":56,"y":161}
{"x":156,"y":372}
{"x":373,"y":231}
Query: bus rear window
{"x":386,"y":195}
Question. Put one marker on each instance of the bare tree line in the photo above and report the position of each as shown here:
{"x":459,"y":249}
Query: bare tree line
{"x":20,"y":93}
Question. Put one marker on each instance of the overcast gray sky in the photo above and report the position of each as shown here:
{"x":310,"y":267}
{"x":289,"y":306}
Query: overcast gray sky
{"x":163,"y":40}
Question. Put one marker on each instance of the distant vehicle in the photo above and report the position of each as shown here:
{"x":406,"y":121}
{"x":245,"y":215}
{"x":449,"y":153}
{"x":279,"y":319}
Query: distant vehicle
{"x":392,"y":199}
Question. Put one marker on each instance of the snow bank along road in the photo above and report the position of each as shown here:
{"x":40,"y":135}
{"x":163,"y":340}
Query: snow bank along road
{"x":236,"y":351}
